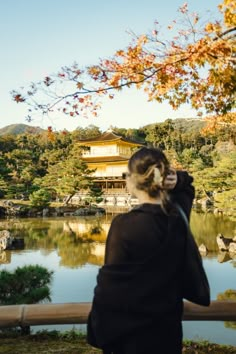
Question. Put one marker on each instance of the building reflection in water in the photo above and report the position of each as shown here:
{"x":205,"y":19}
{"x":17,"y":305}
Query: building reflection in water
{"x":93,"y":230}
{"x":85,"y":244}
{"x":5,"y":257}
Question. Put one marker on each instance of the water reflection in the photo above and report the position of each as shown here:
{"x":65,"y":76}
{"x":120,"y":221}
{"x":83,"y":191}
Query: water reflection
{"x":229,"y":294}
{"x":77,"y":240}
{"x":74,"y":249}
{"x":77,"y":255}
{"x":207,"y":226}
{"x":80,"y":240}
{"x":5,"y":257}
{"x":227,"y":256}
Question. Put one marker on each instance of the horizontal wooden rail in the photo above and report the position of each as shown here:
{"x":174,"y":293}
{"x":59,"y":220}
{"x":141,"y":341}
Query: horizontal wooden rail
{"x":77,"y":313}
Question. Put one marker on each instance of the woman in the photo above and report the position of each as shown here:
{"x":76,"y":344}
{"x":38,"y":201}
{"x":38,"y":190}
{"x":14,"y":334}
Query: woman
{"x":137,"y":306}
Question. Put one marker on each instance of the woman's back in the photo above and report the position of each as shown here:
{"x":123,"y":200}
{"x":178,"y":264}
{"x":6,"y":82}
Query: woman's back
{"x":138,"y":234}
{"x":138,"y":297}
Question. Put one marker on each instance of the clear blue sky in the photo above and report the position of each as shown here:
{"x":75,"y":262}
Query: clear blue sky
{"x":38,"y":37}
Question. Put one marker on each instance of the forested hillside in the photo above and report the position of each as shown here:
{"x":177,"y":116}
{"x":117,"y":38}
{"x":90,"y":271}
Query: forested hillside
{"x":51,"y":160}
{"x":15,"y":129}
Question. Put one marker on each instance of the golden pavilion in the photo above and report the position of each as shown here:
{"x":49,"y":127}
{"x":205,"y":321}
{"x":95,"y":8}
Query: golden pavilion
{"x":108,"y":155}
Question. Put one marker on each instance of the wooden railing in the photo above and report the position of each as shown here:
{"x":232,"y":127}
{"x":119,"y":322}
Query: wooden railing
{"x":77,"y":313}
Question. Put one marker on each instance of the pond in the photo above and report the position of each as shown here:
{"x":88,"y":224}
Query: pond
{"x":74,"y":249}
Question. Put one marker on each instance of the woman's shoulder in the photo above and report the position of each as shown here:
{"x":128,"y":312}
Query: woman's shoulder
{"x":129,"y":216}
{"x":138,"y":215}
{"x":124,"y":217}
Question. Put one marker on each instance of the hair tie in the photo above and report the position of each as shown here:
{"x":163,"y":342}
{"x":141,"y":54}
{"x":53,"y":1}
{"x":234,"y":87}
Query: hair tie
{"x":157,"y":178}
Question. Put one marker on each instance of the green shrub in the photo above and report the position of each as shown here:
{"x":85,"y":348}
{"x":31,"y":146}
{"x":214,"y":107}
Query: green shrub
{"x":40,"y":199}
{"x":26,"y":285}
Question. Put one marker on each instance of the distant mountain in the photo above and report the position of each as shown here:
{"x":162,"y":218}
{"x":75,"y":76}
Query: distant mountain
{"x":189,"y":124}
{"x":186,"y":125}
{"x":16,"y":129}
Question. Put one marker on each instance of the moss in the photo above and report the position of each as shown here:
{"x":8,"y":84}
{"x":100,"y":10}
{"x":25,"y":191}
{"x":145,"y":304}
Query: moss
{"x":46,"y":344}
{"x":73,"y":342}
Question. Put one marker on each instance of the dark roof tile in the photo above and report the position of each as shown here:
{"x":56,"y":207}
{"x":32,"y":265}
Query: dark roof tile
{"x":105,"y":159}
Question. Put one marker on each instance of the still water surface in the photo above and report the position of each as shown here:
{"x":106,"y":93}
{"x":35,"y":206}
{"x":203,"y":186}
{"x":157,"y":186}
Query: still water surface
{"x":74,"y":248}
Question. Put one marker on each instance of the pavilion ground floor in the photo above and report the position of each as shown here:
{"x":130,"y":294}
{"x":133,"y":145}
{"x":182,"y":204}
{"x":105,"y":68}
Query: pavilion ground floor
{"x":114,"y":193}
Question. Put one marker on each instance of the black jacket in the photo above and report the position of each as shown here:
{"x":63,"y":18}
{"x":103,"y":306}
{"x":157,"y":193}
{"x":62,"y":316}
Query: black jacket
{"x":141,"y":280}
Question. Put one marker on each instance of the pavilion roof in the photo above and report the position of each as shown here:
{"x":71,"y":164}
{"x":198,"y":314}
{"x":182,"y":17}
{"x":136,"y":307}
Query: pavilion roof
{"x":109,"y":135}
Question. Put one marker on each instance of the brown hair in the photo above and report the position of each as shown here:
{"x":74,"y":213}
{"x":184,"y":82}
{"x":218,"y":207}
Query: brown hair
{"x":144,"y":165}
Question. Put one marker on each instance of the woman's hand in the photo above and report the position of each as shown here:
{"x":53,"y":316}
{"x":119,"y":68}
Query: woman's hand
{"x":170,"y":180}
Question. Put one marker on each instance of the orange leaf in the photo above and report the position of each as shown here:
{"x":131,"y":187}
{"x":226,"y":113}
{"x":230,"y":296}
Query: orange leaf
{"x":18,"y":98}
{"x":79,"y":85}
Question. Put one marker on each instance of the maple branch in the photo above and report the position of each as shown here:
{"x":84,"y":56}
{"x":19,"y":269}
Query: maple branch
{"x":167,"y":70}
{"x":225,"y":33}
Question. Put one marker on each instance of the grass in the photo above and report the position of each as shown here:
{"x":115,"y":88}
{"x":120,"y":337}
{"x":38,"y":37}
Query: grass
{"x":73,"y":342}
